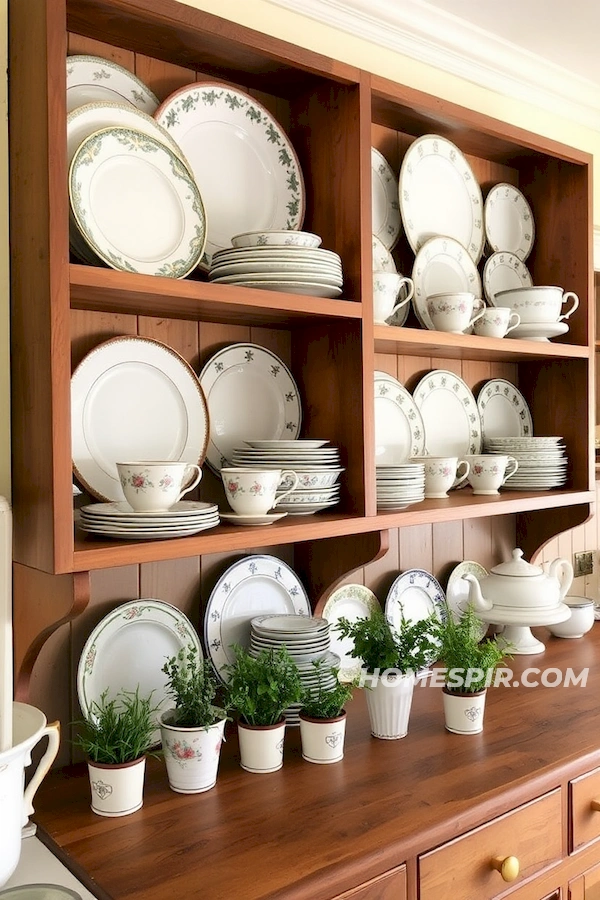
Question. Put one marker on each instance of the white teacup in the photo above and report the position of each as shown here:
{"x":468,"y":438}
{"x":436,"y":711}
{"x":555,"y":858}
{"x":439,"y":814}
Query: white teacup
{"x":386,"y":288}
{"x":454,"y":312}
{"x":442,"y":473}
{"x":497,"y":321}
{"x":489,"y":472}
{"x":540,"y":303}
{"x":251,"y":492}
{"x":155,"y":486}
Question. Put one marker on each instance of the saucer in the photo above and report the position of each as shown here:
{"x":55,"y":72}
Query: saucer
{"x":266,"y":519}
{"x":538,"y":331}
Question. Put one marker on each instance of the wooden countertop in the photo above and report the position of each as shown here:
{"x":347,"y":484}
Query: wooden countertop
{"x":311,"y":831}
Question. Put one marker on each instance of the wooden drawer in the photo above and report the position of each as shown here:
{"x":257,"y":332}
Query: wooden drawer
{"x":391,"y":886}
{"x":463,"y":869}
{"x":585,"y":820}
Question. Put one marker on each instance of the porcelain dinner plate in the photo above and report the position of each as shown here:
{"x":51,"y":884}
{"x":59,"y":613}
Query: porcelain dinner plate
{"x":133,"y":398}
{"x":251,"y":395}
{"x":457,"y":590}
{"x":286,"y":445}
{"x":509,"y":223}
{"x":147,"y":534}
{"x":442,"y":265}
{"x":90,"y":78}
{"x":449,"y":413}
{"x":383,"y":261}
{"x":503,"y":410}
{"x":251,"y":587}
{"x":384,"y":200}
{"x":399,"y":432}
{"x":439,"y":195}
{"x":304,"y":288}
{"x":136,"y":203}
{"x":245,"y":167}
{"x":414,"y":595}
{"x":129,"y":647}
{"x":122,"y":512}
{"x":504,"y":271}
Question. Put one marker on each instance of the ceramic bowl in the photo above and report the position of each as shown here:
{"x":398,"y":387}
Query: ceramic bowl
{"x":580,"y":621}
{"x":541,"y":303}
{"x":276,"y":239}
{"x":315,"y":479}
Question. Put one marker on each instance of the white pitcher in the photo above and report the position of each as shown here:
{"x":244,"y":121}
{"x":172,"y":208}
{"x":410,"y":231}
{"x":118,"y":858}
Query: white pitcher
{"x":29,"y":727}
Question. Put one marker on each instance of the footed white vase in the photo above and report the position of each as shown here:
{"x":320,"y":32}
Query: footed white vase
{"x":389,"y":701}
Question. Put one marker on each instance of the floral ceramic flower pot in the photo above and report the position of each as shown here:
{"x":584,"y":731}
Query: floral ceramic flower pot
{"x":261,"y":746}
{"x":323,"y":739}
{"x":117,"y":790}
{"x":191,"y":754}
{"x":389,"y":700}
{"x":464,"y":712}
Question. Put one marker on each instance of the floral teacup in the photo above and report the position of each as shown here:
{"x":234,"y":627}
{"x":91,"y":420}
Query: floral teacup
{"x":251,"y":492}
{"x":490,"y":471}
{"x":155,"y":486}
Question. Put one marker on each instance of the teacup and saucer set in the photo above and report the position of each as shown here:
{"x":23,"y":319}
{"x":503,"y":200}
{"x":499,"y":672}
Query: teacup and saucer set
{"x":251,"y":493}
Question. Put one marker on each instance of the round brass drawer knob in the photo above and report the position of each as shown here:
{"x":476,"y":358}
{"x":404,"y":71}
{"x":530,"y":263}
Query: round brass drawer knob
{"x":595,"y":805}
{"x":508,"y":866}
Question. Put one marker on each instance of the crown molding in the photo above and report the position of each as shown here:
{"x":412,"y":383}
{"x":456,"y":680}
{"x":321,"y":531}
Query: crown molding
{"x":420,"y":31}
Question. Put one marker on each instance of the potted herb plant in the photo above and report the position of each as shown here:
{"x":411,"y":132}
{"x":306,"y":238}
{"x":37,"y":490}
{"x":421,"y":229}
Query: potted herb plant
{"x":191,"y":731}
{"x":260,"y":688}
{"x":390,"y":658}
{"x":470,"y":665}
{"x":323,"y":717}
{"x":115,"y":736}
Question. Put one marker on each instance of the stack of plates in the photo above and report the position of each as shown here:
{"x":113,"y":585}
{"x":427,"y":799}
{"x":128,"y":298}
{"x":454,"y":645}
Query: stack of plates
{"x":399,"y":486}
{"x":317,"y":467}
{"x":542,"y":461}
{"x":307,"y":642}
{"x":277,"y":264}
{"x":118,"y":520}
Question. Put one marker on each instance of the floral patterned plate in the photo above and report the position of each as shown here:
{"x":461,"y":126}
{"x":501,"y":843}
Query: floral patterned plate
{"x":399,"y":432}
{"x":384,"y":200}
{"x":136,"y":203}
{"x":128,"y":647}
{"x":352,"y":602}
{"x":251,"y":395}
{"x":243,"y":162}
{"x":91,"y":78}
{"x":252,"y":586}
{"x":450,"y":415}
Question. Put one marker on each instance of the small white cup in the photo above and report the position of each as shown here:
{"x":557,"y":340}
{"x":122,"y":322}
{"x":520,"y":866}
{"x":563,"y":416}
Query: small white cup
{"x":489,"y":472}
{"x":497,"y":321}
{"x":442,"y":473}
{"x":251,"y":492}
{"x":155,"y":486}
{"x":454,"y":312}
{"x":386,"y":288}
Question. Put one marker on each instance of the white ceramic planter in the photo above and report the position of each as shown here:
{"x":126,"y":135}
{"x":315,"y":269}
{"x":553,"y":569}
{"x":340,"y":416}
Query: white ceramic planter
{"x":389,"y":702}
{"x":323,"y":739}
{"x":261,"y":747}
{"x":464,"y":712}
{"x":191,"y":754}
{"x":117,"y":790}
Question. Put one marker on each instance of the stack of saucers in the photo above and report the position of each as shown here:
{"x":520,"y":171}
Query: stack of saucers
{"x":317,"y":467}
{"x":542,"y":461}
{"x":118,"y":520}
{"x":400,"y":486}
{"x":291,"y":261}
{"x":307,"y":641}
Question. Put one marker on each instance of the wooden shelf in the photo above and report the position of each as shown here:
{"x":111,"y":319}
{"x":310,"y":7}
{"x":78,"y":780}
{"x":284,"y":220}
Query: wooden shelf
{"x":94,"y":552}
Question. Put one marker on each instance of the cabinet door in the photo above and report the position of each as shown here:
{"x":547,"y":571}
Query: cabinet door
{"x":585,"y":814}
{"x":586,"y":886}
{"x":391,"y":886}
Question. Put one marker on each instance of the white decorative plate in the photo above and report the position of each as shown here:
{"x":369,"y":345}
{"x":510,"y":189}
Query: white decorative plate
{"x":399,"y":431}
{"x":383,"y":261}
{"x":133,"y":398}
{"x":297,"y":446}
{"x":352,"y":602}
{"x":251,"y":395}
{"x":252,"y":520}
{"x":304,"y":288}
{"x":414,"y":595}
{"x":129,"y":647}
{"x":245,"y":166}
{"x":149,"y":534}
{"x":504,"y":271}
{"x":440,"y":196}
{"x":450,"y":415}
{"x":90,"y":78}
{"x":181,"y":512}
{"x":442,"y":265}
{"x":136,"y":203}
{"x":384,"y":200}
{"x":251,"y":587}
{"x":457,"y":590}
{"x":509,"y":223}
{"x":503,"y":410}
